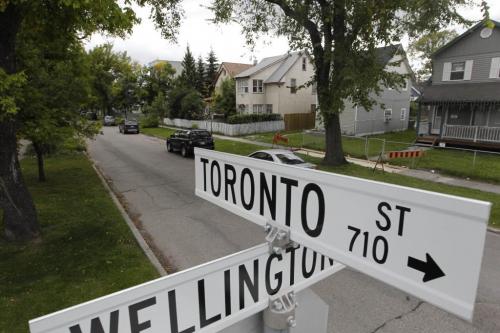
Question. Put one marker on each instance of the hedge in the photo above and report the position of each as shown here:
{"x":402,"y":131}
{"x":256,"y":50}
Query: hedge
{"x":253,"y":118}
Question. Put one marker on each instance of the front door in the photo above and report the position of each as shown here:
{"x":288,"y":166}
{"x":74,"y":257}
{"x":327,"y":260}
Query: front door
{"x":436,"y":120}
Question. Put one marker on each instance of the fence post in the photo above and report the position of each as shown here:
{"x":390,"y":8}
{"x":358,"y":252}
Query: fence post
{"x":366,"y":147}
{"x":383,"y":146}
{"x":474,"y":160}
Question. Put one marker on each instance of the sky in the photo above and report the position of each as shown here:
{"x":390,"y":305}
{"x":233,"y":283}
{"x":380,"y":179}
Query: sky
{"x":145,"y":44}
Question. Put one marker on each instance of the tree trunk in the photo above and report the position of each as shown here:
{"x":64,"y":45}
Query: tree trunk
{"x":20,"y":218}
{"x":41,"y":166}
{"x":334,"y":153}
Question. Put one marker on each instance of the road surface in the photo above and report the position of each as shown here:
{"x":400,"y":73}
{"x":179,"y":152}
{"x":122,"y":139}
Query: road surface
{"x":159,"y":189}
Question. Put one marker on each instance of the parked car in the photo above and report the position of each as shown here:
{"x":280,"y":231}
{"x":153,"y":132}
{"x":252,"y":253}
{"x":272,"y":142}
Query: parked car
{"x":282,"y":156}
{"x":185,"y":141}
{"x":109,"y":121}
{"x":129,"y":126}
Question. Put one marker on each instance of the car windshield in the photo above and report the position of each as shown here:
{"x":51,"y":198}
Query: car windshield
{"x":289,"y":159}
{"x":200,"y":133}
{"x":131,"y":122}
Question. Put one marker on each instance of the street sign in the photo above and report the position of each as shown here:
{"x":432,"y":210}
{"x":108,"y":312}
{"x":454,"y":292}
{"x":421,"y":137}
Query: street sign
{"x":206,"y":298}
{"x":427,"y":244}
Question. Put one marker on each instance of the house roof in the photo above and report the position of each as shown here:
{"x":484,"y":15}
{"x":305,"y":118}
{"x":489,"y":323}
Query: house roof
{"x":285,"y":66}
{"x":234,"y":68}
{"x":265,"y":63}
{"x":462,"y":92}
{"x":386,"y":53}
{"x":462,"y":36}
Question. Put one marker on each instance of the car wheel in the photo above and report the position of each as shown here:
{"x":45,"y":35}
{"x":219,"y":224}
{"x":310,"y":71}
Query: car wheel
{"x":184,"y":151}
{"x":169,"y":147}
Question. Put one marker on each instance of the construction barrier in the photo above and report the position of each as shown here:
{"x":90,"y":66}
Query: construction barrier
{"x":279,"y":138}
{"x":404,"y":154}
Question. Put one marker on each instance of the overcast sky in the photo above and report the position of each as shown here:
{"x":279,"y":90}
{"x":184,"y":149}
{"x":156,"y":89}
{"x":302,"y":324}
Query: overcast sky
{"x":145,"y":43}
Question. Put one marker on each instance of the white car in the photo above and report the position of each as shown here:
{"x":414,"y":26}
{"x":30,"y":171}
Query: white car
{"x":281,"y":156}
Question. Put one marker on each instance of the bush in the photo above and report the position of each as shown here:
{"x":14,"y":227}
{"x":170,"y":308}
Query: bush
{"x":192,"y":106}
{"x":150,"y":121}
{"x":225,"y":99}
{"x":253,"y":118}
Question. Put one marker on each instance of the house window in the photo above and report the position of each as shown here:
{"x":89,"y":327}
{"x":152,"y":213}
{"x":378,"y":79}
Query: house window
{"x":242,"y":86}
{"x":387,"y":115}
{"x":457,"y":70}
{"x":243,"y":108}
{"x":304,"y":64}
{"x":293,"y":86}
{"x":258,"y":86}
{"x":405,"y":86}
{"x":269,"y":108}
{"x":258,"y":108}
{"x":314,"y":88}
{"x":403,"y":114}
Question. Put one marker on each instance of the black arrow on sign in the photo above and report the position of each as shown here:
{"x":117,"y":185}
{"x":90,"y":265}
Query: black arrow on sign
{"x":430,"y":269}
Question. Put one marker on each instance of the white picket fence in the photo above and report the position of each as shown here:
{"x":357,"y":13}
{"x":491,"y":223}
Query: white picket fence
{"x":228,"y":129}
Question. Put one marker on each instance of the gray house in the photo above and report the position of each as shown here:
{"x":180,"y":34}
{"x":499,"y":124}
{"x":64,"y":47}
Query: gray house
{"x":461,"y":106}
{"x":391,"y":113}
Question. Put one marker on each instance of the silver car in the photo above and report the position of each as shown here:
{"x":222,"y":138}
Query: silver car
{"x":283,"y":157}
{"x":109,"y":121}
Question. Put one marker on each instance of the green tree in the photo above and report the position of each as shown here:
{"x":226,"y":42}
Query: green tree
{"x":157,"y":79}
{"x":342,"y":37}
{"x":114,"y":79}
{"x":192,"y":105}
{"x":61,"y":19}
{"x":57,"y":87}
{"x":200,"y":76}
{"x":212,"y":67}
{"x":189,"y":74}
{"x":225,"y":98}
{"x":423,"y":47}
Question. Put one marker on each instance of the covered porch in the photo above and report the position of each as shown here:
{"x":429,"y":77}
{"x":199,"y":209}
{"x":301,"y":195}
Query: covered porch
{"x":451,"y":116}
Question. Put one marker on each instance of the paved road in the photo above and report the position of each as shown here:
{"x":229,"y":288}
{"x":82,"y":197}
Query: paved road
{"x":160,"y":188}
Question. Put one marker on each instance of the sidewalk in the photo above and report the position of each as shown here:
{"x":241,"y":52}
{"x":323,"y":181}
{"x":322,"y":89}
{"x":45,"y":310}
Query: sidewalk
{"x":420,"y":174}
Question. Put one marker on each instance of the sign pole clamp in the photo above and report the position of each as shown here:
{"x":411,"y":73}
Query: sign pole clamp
{"x":278,"y":238}
{"x":280,"y":315}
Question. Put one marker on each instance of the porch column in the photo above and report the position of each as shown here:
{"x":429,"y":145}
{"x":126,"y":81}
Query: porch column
{"x":419,"y":116}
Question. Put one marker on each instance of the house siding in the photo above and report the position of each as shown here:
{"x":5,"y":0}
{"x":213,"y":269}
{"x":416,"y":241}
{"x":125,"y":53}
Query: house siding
{"x":471,"y":47}
{"x":362,"y":122}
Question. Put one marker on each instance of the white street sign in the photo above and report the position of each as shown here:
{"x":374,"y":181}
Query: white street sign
{"x":427,"y":244}
{"x":206,"y":298}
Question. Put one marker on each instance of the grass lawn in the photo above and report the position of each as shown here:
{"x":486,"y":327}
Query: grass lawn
{"x":446,"y":161}
{"x":159,"y":132}
{"x":86,"y":251}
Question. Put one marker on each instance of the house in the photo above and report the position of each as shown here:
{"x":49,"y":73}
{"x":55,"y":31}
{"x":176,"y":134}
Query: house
{"x":277,"y":85}
{"x":228,"y":70}
{"x":461,"y":106}
{"x":177,"y":65}
{"x":392,"y":108}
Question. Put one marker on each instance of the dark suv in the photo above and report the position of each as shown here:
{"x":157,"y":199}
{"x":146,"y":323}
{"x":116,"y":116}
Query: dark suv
{"x":185,"y":141}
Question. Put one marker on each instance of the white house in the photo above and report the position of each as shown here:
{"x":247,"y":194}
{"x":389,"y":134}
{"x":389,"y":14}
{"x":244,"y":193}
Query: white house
{"x":277,"y":85}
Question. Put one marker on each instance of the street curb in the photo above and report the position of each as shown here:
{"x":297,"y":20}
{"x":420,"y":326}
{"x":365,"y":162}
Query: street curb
{"x":137,"y":234}
{"x":494,"y":230}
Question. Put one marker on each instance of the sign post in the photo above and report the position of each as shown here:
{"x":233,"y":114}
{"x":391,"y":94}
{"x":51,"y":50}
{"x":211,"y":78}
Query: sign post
{"x":415,"y":240}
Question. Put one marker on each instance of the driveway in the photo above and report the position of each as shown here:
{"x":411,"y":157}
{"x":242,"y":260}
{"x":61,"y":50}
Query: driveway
{"x":159,"y":189}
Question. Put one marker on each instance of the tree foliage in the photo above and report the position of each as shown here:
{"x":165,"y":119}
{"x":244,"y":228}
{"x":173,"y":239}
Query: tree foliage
{"x":60,"y":20}
{"x":423,"y":47}
{"x":189,"y":74}
{"x":342,"y":37}
{"x":200,"y":77}
{"x":212,"y":67}
{"x":225,"y":98}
